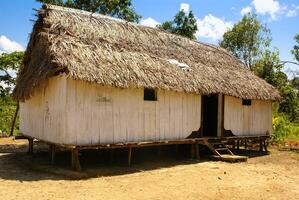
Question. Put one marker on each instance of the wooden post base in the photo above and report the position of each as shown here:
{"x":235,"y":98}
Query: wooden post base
{"x":30,"y":146}
{"x":261,"y":144}
{"x":129,"y":156}
{"x":265,"y":145}
{"x":75,"y":160}
{"x":52,"y":149}
{"x":194,"y":151}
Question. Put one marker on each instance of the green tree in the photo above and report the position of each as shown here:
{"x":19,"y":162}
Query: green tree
{"x":295,"y":50}
{"x":7,"y":111}
{"x":117,"y":8}
{"x":183,"y":24}
{"x":247,"y":39}
{"x":295,"y":83}
{"x":269,"y":68}
{"x":289,"y":103}
{"x":9,"y":66}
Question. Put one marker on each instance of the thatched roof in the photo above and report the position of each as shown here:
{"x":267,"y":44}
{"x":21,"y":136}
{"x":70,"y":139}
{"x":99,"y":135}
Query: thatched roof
{"x":113,"y":52}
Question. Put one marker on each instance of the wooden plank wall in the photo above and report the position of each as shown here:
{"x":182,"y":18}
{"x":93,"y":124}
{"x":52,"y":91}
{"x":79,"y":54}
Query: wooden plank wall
{"x":97,"y":114}
{"x":80,"y":113}
{"x":43,"y":116}
{"x":247,"y":120}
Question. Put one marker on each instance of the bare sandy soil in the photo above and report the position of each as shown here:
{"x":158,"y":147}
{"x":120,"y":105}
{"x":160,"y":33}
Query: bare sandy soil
{"x":274,"y":176}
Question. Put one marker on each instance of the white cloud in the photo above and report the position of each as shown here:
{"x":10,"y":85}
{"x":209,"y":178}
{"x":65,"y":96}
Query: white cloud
{"x":185,"y":7}
{"x":292,"y":13}
{"x":212,"y":27}
{"x":7,"y":45}
{"x":149,"y":22}
{"x":246,"y":10}
{"x":270,"y":7}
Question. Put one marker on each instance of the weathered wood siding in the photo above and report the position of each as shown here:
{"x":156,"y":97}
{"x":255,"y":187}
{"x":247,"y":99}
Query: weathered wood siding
{"x":77,"y":112}
{"x":43,"y":116}
{"x":247,"y":120}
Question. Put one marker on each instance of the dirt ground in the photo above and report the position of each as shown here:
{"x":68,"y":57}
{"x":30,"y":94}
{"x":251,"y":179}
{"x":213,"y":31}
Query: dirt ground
{"x":274,"y":176}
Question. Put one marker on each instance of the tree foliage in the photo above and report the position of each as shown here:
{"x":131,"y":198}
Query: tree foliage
{"x":9,"y":66}
{"x":295,"y":83}
{"x":289,"y":103}
{"x":183,"y":24}
{"x":269,"y":68}
{"x":295,"y":50}
{"x":247,"y":39}
{"x":7,"y":110}
{"x":117,"y":8}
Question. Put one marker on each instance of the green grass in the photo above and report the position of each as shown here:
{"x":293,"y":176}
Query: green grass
{"x":284,"y":129}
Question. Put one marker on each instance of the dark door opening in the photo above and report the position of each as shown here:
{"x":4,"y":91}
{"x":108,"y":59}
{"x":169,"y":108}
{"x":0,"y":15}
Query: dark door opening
{"x":210,"y":115}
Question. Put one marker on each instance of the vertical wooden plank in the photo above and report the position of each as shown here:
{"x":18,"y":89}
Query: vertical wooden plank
{"x":167,"y":124}
{"x":184,"y":116}
{"x":163,"y":113}
{"x":157,"y":116}
{"x":140,"y":109}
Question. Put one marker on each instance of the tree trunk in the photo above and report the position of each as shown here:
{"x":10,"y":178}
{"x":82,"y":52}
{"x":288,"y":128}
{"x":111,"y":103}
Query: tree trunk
{"x":14,"y":120}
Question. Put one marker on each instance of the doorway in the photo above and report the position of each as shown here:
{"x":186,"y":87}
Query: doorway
{"x":209,"y":115}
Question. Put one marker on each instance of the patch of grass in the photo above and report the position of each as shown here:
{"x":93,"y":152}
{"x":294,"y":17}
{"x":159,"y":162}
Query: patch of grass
{"x":284,"y":129}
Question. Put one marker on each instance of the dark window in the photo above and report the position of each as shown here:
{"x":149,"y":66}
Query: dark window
{"x":150,"y":94}
{"x":246,"y":102}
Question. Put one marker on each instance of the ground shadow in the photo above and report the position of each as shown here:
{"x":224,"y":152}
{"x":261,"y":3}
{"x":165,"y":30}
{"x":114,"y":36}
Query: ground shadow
{"x":98,"y":163}
{"x":95,"y":163}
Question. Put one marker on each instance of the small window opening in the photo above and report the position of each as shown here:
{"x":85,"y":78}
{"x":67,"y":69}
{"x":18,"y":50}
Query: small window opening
{"x":246,"y":102}
{"x":150,"y":94}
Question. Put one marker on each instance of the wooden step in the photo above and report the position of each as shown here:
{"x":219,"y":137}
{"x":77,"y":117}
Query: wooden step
{"x":222,"y":149}
{"x":230,"y":158}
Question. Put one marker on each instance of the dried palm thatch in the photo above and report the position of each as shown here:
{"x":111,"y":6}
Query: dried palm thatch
{"x":112,"y":52}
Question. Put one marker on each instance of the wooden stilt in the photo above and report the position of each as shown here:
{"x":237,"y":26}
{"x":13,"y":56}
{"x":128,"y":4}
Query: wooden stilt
{"x":192,"y":151}
{"x":261,"y":144}
{"x":159,"y":149}
{"x":245,"y":143}
{"x":265,"y":145}
{"x":75,"y":160}
{"x":111,"y":153}
{"x":52,"y":153}
{"x":234,"y":145}
{"x":129,"y":156}
{"x":238,"y":144}
{"x":176,"y":149}
{"x":197,"y":155}
{"x":30,"y":146}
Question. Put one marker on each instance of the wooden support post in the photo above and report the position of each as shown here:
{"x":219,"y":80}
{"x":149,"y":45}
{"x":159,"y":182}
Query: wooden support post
{"x":177,"y":149}
{"x":245,"y":143}
{"x":52,"y":153}
{"x":75,"y":160}
{"x":130,"y":156}
{"x":14,"y":120}
{"x":30,"y":146}
{"x":261,"y":144}
{"x":265,"y":145}
{"x":197,"y":155}
{"x":111,"y":155}
{"x":192,"y":151}
{"x":234,"y":144}
{"x":238,"y":144}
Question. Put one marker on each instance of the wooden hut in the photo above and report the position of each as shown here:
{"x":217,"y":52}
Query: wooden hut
{"x":93,"y":81}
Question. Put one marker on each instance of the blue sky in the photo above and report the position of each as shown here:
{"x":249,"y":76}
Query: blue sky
{"x":213,"y":16}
